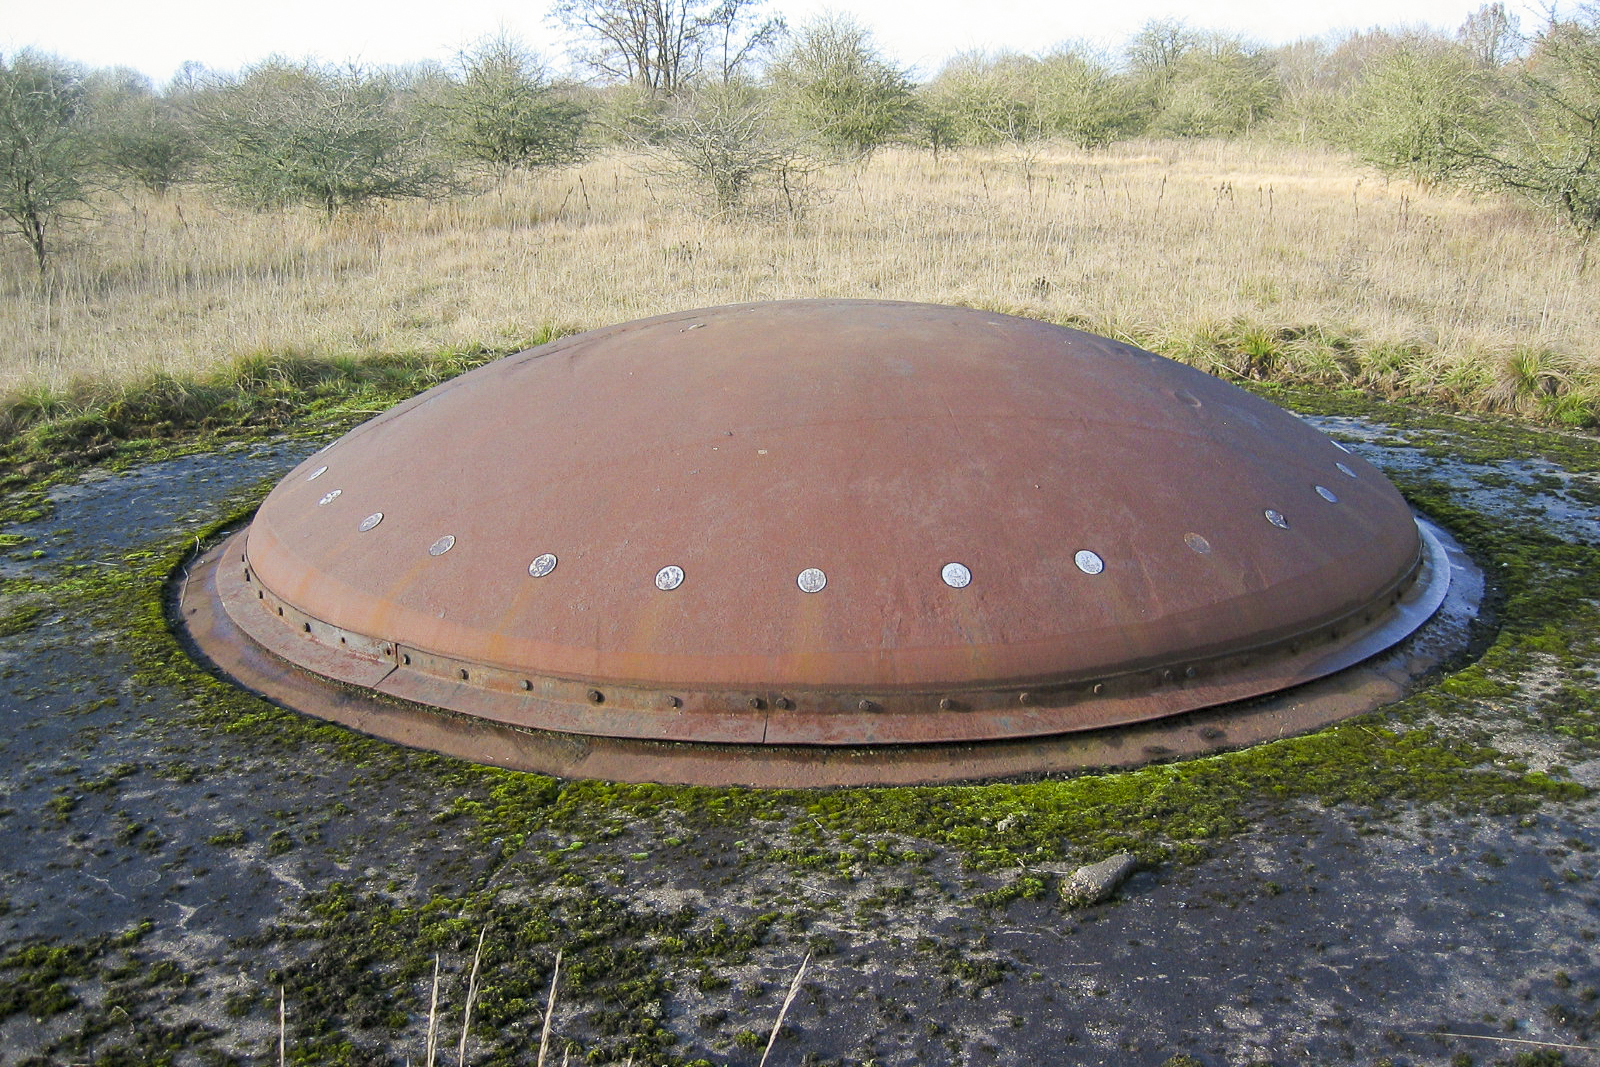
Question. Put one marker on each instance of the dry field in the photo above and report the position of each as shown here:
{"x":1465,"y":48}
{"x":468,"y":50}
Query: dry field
{"x":1250,"y":258}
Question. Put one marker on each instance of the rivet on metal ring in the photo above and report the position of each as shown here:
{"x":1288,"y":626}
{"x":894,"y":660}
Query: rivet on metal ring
{"x":1345,"y":469}
{"x":370,"y":521}
{"x":330,"y":498}
{"x":443,"y":545}
{"x":1276,"y":518}
{"x":1198,"y":543}
{"x":1088,"y":562}
{"x":669,"y":578}
{"x":542,"y":565}
{"x":1327,"y":494}
{"x":956,"y":575}
{"x":319,"y":472}
{"x":811,"y":580}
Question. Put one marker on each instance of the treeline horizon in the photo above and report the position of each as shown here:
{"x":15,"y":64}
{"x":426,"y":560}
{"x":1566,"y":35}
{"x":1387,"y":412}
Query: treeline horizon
{"x":740,"y":108}
{"x":1506,"y":40}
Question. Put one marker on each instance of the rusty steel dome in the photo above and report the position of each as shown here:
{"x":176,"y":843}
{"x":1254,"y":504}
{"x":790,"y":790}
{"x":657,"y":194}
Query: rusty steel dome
{"x":821,"y":542}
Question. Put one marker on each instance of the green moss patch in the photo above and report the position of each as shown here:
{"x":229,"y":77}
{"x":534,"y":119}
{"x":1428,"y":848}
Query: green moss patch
{"x":120,"y":981}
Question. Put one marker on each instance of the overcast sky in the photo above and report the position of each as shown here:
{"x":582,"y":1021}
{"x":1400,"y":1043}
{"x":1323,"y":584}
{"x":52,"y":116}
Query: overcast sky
{"x":156,"y":36}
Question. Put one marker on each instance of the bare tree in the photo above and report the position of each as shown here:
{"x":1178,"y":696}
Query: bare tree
{"x":1550,"y":150}
{"x":723,"y":145}
{"x":1017,"y":99}
{"x":837,"y":85}
{"x":1154,"y":55}
{"x":303,"y":133}
{"x":1421,"y":110}
{"x":664,"y":45}
{"x":1084,"y":101}
{"x":139,"y":134}
{"x":46,"y":155}
{"x":507,"y":112}
{"x":1492,"y":35}
{"x":937,"y":120}
{"x":736,"y":37}
{"x":1219,"y":87}
{"x":989,"y":99}
{"x":1158,"y":46}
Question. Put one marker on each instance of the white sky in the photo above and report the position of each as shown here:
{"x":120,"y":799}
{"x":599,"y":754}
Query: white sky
{"x":155,"y":36}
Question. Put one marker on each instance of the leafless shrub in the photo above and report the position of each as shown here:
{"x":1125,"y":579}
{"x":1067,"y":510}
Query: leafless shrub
{"x":722,"y":145}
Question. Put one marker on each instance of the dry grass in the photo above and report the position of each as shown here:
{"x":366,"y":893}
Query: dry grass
{"x":1254,"y":258}
{"x":788,"y":1001}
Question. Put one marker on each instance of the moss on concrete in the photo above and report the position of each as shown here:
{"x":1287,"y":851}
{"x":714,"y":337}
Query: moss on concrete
{"x":551,"y":860}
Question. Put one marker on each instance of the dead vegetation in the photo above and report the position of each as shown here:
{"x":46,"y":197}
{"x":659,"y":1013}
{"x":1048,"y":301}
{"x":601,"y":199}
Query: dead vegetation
{"x":1249,"y":259}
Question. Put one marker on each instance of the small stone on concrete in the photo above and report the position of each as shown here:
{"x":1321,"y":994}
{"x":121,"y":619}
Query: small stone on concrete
{"x":1097,"y":882}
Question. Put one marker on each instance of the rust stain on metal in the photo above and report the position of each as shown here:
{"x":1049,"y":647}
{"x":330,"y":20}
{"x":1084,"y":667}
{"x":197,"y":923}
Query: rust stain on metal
{"x":834,"y":532}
